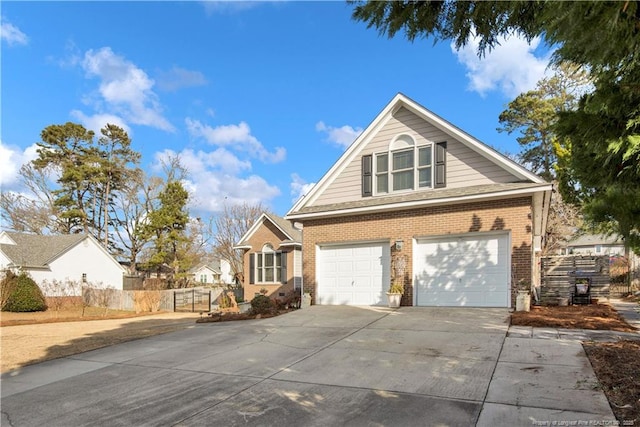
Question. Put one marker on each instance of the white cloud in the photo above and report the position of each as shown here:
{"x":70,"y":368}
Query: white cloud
{"x":11,"y":160}
{"x":125,"y":89}
{"x":511,"y":67}
{"x":99,"y":121}
{"x":12,"y":34}
{"x":178,"y":78}
{"x":299,"y":187}
{"x":237,"y":137}
{"x":342,"y":136}
{"x":215,"y":178}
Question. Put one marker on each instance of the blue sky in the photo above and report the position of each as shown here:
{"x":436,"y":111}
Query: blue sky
{"x":258,"y":98}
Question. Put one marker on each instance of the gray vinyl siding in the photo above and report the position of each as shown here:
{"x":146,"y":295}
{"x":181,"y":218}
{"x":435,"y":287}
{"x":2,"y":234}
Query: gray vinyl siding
{"x":464,"y":166}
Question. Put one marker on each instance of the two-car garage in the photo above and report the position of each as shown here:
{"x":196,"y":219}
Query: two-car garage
{"x":466,"y":270}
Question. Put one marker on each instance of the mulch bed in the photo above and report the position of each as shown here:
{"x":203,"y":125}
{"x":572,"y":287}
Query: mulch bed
{"x":617,"y":366}
{"x":227,"y":317}
{"x":592,"y":316}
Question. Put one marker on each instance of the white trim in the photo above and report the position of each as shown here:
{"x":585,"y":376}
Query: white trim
{"x":294,"y":244}
{"x":351,"y":243}
{"x":420,"y":203}
{"x":243,"y":247}
{"x":381,"y":119}
{"x":257,"y":225}
{"x":3,"y":236}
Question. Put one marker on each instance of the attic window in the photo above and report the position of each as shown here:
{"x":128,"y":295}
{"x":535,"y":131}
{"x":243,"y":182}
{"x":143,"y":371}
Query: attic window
{"x":404,"y":167}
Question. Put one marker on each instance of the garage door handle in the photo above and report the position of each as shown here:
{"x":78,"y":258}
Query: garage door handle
{"x":352,"y":282}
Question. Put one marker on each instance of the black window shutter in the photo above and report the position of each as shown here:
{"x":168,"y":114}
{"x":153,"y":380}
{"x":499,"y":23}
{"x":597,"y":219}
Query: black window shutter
{"x":252,"y":269}
{"x":441,"y":165}
{"x":367,"y":178}
{"x":283,"y":268}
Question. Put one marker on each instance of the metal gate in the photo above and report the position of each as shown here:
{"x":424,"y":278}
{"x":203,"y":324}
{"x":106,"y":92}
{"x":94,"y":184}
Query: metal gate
{"x":192,"y":300}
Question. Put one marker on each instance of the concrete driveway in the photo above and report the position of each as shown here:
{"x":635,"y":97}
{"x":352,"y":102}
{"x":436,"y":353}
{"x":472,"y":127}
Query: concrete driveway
{"x":321,"y":366}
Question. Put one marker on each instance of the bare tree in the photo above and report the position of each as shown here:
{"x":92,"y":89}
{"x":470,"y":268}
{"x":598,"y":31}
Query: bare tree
{"x":34,"y":210}
{"x":132,"y":208}
{"x":231,"y":225}
{"x":563,"y":222}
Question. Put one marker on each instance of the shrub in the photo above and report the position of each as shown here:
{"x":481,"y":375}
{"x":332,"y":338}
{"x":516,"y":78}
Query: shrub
{"x":7,"y":285}
{"x":262,"y":304}
{"x":25,"y":296}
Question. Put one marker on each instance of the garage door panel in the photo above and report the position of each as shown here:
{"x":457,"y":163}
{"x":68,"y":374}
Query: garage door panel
{"x":462,"y":271}
{"x":344,"y":267}
{"x":353,"y":274}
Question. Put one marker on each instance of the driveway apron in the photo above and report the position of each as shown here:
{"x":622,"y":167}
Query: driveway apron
{"x":318,"y":366}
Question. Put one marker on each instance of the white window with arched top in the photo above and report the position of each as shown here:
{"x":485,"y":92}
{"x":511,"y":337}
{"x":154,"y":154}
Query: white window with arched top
{"x":270,"y":266}
{"x":405,"y":166}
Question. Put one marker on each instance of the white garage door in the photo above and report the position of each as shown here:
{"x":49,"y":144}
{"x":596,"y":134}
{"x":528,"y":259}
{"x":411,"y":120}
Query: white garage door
{"x":356,"y":274}
{"x":468,"y":271}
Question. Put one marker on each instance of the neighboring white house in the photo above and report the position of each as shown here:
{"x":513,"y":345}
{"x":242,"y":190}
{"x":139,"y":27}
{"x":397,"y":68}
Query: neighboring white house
{"x":205,"y":274}
{"x":74,"y":257}
{"x":216,"y":272}
{"x":590,"y":244}
{"x":226,"y":275}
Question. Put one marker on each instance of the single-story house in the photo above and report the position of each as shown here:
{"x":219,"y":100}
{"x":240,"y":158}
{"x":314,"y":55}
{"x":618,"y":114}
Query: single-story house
{"x":78,"y":258}
{"x":416,"y":199}
{"x":272,"y":257}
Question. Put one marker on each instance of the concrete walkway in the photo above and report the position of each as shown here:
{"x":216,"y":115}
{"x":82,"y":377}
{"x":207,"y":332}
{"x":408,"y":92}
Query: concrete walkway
{"x":543,"y":375}
{"x":320,"y":366}
{"x":629,"y":310}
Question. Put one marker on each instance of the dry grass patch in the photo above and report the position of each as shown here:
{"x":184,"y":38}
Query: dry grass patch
{"x":66,"y":314}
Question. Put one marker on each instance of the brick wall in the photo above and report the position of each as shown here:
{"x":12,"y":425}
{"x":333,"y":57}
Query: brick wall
{"x":512,"y":215}
{"x":267,"y":233}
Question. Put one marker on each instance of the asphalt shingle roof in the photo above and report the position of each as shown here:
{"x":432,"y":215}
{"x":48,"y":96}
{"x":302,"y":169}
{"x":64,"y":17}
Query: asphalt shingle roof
{"x":429,"y":195}
{"x":32,"y":250}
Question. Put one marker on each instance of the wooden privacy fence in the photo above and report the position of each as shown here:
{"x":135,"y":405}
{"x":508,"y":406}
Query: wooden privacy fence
{"x":559,"y":273}
{"x":192,"y":299}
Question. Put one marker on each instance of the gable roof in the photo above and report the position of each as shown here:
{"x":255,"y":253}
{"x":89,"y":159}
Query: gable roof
{"x":204,"y":267}
{"x":293,"y":235}
{"x":33,"y":250}
{"x":37,"y":251}
{"x":595,"y":239}
{"x":402,"y":101}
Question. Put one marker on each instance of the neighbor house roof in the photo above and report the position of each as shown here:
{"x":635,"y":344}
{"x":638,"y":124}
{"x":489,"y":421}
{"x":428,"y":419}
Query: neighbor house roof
{"x":207,"y":267}
{"x":293,"y":235}
{"x":37,"y":251}
{"x":596,"y":239}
